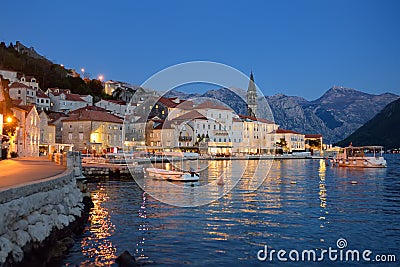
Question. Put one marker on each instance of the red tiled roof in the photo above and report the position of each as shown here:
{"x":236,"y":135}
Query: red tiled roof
{"x":19,"y":85}
{"x":93,"y":115}
{"x":212,"y":105}
{"x":167,"y":102}
{"x":41,"y":94}
{"x":256,"y":119}
{"x":313,"y":136}
{"x":185,"y":104}
{"x":119,"y":102}
{"x":64,"y":91}
{"x":28,"y":108}
{"x":74,"y":97}
{"x":194,"y":114}
{"x":95,"y":108}
{"x":16,"y":102}
{"x":286,"y":131}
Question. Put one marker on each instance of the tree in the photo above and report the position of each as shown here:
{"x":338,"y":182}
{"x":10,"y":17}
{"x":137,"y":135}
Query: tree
{"x":282,"y":144}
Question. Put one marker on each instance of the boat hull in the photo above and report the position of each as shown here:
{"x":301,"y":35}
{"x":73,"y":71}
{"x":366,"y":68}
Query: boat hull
{"x":360,"y":162}
{"x":172,"y":175}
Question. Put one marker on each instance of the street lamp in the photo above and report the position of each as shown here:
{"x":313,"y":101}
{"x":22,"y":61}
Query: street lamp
{"x":101,"y":77}
{"x":9,"y":119}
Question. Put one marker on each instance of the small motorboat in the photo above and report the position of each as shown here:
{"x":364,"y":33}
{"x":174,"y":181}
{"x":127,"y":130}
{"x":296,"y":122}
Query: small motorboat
{"x":179,"y":176}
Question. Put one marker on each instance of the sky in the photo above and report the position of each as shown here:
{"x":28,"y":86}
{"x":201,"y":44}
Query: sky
{"x":293,"y":47}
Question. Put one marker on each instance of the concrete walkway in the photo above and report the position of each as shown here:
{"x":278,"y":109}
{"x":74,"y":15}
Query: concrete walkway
{"x":14,"y":172}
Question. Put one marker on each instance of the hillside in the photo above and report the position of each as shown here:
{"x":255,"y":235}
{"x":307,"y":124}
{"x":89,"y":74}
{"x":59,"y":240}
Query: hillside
{"x":47,"y":73}
{"x":383,"y":129}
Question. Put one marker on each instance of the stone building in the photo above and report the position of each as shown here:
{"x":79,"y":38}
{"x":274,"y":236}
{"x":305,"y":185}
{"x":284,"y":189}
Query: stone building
{"x":92,"y":131}
{"x":26,"y":140}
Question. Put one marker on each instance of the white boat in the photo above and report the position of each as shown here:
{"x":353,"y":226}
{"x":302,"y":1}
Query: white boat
{"x":360,"y":157}
{"x":173,"y":175}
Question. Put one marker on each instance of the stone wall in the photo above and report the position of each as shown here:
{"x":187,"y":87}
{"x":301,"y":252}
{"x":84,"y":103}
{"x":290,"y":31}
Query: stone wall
{"x":29,"y":213}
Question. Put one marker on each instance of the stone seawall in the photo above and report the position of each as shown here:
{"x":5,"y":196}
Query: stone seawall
{"x":29,"y":213}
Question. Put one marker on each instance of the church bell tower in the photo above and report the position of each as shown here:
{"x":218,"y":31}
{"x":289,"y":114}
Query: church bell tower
{"x":251,"y":97}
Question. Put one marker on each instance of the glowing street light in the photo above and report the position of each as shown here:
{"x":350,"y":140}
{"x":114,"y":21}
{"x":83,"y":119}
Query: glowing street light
{"x":101,"y":77}
{"x":9,"y":119}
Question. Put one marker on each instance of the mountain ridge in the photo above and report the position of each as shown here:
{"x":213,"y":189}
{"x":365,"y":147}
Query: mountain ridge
{"x":383,"y":129}
{"x":335,"y":115}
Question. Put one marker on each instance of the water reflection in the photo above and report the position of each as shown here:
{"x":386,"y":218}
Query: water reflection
{"x":229,"y":232}
{"x":97,"y":246}
{"x":143,"y":228}
{"x":322,"y":191}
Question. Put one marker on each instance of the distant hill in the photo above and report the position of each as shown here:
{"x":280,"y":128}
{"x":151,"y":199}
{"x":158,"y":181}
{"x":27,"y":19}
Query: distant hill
{"x":20,"y":59}
{"x":383,"y":129}
{"x":335,"y":115}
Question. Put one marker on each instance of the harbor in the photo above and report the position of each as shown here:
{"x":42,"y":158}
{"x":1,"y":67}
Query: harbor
{"x":302,"y":204}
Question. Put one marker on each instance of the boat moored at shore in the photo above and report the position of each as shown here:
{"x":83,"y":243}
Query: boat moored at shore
{"x":360,"y":157}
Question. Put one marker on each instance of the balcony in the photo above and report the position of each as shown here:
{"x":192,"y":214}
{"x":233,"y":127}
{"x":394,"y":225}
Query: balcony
{"x":185,"y":138}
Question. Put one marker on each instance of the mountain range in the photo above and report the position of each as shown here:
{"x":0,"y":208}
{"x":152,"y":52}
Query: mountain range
{"x":335,"y":115}
{"x":383,"y":129}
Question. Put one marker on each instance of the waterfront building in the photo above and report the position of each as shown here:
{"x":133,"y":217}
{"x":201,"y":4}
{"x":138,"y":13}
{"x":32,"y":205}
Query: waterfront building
{"x":313,"y":142}
{"x":289,"y":141}
{"x":26,"y":140}
{"x":254,"y":135}
{"x":91,"y":130}
{"x":170,"y":107}
{"x":217,"y":128}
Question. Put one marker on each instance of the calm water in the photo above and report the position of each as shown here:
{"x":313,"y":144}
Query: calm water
{"x":301,"y":205}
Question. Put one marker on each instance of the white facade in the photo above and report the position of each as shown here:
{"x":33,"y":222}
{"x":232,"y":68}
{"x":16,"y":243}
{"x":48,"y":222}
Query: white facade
{"x":295,"y":141}
{"x":115,"y":107}
{"x":26,"y":140}
{"x":29,"y":81}
{"x":19,"y":91}
{"x":62,"y":102}
{"x":42,"y":101}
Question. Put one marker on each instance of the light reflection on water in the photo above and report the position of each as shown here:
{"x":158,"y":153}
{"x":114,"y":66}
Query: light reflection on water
{"x":302,"y":204}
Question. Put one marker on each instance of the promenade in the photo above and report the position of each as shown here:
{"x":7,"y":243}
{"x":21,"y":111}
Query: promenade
{"x":15,"y":172}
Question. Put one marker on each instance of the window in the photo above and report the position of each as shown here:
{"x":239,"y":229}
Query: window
{"x":70,"y":126}
{"x":19,"y":92}
{"x":80,"y":136}
{"x":215,"y":127}
{"x":70,"y":136}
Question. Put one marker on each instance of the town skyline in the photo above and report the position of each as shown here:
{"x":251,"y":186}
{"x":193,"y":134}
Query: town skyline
{"x":352,"y":45}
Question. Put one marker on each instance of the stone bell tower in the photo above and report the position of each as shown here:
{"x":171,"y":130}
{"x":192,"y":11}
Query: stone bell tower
{"x":251,"y":97}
